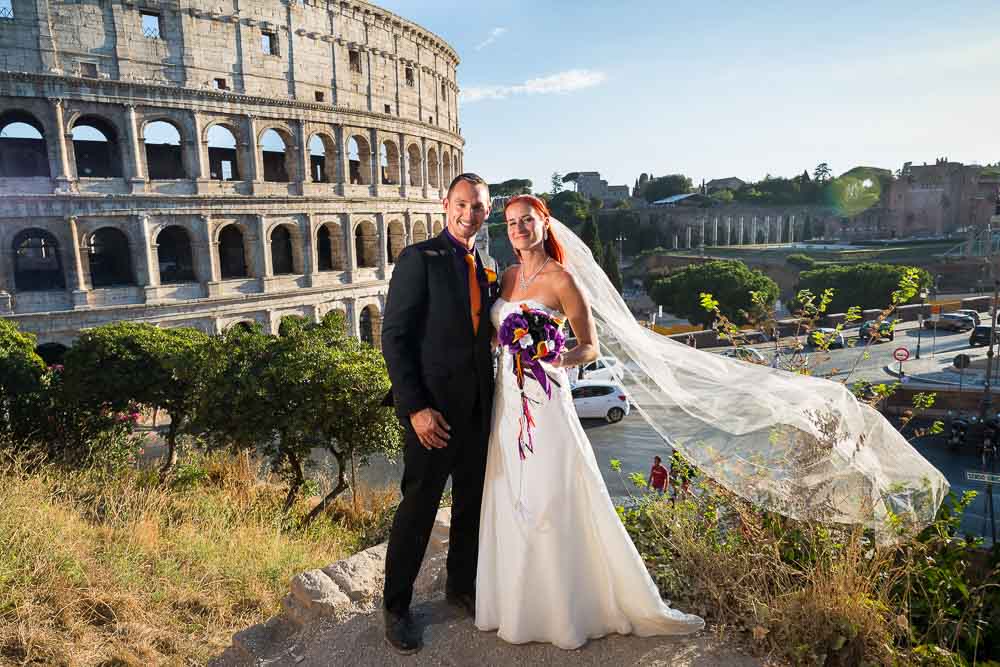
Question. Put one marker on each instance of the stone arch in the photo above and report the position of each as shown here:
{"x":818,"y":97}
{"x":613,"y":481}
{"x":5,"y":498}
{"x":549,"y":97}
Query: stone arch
{"x":232,"y":252}
{"x":389,"y":163}
{"x":23,"y":150}
{"x":437,"y":227}
{"x":37,"y":263}
{"x":419,"y":231}
{"x":446,"y":168}
{"x":370,"y":325}
{"x":396,"y":239}
{"x":330,"y":247}
{"x":286,"y":244}
{"x":359,"y":160}
{"x":432,"y":168}
{"x":224,"y":160}
{"x":414,"y":165}
{"x":276,"y":148}
{"x":366,"y":244}
{"x":110,"y":258}
{"x":174,"y":256}
{"x":164,"y":150}
{"x":96,"y":149}
{"x":321,"y":148}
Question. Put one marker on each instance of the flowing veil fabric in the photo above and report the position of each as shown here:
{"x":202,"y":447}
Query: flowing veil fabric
{"x":797,"y":445}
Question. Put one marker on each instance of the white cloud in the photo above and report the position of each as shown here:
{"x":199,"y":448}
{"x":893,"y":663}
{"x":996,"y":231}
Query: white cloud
{"x":563,"y":82}
{"x":495,"y":34}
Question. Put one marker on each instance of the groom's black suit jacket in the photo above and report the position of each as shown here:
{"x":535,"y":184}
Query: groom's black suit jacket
{"x":434,"y":358}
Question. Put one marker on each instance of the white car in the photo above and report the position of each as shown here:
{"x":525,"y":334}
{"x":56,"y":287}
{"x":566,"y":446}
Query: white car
{"x":594,"y":399}
{"x":603,"y":368}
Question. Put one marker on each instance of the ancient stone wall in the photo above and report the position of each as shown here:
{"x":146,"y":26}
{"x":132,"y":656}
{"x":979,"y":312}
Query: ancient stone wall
{"x":203,"y":164}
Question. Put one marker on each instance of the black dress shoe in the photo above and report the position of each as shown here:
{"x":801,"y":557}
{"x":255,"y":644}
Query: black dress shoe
{"x":464,"y":601}
{"x":401,"y":632}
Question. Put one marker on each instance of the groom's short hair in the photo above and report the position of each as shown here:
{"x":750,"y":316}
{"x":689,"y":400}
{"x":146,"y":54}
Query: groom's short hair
{"x":469,"y":177}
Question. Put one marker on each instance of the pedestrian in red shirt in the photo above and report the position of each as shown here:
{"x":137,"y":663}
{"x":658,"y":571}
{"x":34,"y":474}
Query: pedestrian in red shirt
{"x":658,"y":476}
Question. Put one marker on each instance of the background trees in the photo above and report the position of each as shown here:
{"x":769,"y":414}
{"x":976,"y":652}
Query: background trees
{"x":667,"y":186}
{"x":730,"y":281}
{"x":865,"y":285}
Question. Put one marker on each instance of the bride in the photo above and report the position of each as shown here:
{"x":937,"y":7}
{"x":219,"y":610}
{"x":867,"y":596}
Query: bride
{"x":555,"y":564}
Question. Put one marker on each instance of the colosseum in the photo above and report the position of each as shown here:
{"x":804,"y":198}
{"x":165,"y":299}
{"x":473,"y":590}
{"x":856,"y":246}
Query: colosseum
{"x":193,"y":164}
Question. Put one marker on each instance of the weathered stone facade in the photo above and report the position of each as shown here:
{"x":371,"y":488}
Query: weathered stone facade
{"x":200,"y":165}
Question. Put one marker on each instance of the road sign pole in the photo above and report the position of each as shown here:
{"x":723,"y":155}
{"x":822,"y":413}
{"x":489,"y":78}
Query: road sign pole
{"x":920,"y":326}
{"x":993,"y":519}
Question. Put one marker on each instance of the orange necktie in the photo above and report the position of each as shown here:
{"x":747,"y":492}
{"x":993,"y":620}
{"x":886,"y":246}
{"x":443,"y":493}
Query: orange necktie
{"x":475,"y":299}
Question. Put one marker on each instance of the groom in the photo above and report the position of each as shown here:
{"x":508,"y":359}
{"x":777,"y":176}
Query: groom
{"x":436,"y":336}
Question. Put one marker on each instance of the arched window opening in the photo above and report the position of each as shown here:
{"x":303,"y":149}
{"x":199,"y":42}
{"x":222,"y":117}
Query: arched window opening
{"x":53,"y":354}
{"x":389,"y":163}
{"x":438,"y":227}
{"x":330,"y":248}
{"x":37,"y":265}
{"x":414,"y":166}
{"x":446,"y":168}
{"x":232,"y":258}
{"x":366,"y":245}
{"x":370,"y":323}
{"x":23,"y":153}
{"x":95,"y":146}
{"x":419,"y":232}
{"x":359,"y":160}
{"x":173,"y":249}
{"x":281,"y":251}
{"x":432,"y":168}
{"x":274,"y":152}
{"x":164,"y":157}
{"x":317,"y":160}
{"x":222,"y":155}
{"x":110,"y":259}
{"x":397,"y":240}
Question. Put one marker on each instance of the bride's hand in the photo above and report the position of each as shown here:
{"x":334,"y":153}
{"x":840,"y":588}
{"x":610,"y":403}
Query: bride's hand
{"x":557,"y":362}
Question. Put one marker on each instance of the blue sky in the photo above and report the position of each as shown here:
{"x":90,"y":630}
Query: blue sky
{"x":715,"y":89}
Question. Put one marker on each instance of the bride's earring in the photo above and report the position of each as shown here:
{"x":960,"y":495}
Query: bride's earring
{"x":545,"y":234}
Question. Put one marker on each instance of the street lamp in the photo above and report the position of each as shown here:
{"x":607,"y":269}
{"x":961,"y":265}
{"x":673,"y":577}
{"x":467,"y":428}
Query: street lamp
{"x":920,"y":319}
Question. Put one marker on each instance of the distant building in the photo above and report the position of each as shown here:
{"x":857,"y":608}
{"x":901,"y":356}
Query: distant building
{"x":591,"y":185}
{"x":716,"y":184}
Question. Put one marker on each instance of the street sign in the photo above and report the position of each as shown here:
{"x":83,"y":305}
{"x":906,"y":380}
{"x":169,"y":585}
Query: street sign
{"x":989,"y":479}
{"x":985,"y":477}
{"x":962,"y":361}
{"x":900,"y":354}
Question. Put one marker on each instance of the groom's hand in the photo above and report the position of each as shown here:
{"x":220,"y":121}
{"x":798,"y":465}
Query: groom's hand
{"x":431,"y":428}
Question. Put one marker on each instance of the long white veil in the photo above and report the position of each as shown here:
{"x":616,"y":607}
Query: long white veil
{"x":801,"y":446}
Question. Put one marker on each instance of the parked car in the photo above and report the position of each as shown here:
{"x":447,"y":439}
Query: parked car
{"x":594,"y":399}
{"x":603,"y":368}
{"x":886,"y":329}
{"x":951,"y":322}
{"x":821,"y":335}
{"x":981,"y":336}
{"x":969,"y":313}
{"x":744,"y":354}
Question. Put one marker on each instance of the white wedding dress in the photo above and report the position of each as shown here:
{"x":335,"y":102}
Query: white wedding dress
{"x":556,"y":565}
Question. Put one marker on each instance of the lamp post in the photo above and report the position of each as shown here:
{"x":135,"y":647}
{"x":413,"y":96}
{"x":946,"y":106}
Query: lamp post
{"x":621,"y":239}
{"x":920,"y":319}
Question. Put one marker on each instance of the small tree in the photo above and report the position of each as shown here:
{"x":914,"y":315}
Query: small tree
{"x":126,"y":363}
{"x":822,"y":173}
{"x":22,"y":374}
{"x":590,"y":236}
{"x":741,"y":291}
{"x":611,"y":265}
{"x":557,"y":183}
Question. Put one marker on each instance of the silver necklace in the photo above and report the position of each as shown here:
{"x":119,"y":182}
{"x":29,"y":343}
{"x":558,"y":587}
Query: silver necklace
{"x":527,"y":281}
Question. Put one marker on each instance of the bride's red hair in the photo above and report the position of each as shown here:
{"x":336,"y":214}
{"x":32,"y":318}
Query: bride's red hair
{"x":552,"y":245}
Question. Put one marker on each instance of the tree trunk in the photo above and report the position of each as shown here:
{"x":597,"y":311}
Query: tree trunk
{"x":297,"y":481}
{"x":171,"y":447}
{"x":354,"y":483}
{"x":340,"y":488}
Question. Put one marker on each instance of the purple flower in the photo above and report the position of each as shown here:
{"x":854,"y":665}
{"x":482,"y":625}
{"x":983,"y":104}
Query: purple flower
{"x":512,"y":322}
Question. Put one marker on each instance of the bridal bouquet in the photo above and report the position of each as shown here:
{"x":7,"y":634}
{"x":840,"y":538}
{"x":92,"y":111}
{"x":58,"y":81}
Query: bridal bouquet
{"x":531,"y":336}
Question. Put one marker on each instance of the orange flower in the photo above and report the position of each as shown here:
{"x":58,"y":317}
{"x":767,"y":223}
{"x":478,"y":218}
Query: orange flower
{"x":491,"y":276}
{"x":519,"y":334}
{"x":542,"y":350}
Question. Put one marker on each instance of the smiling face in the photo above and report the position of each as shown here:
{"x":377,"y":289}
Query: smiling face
{"x":525,"y":226}
{"x":466,"y":208}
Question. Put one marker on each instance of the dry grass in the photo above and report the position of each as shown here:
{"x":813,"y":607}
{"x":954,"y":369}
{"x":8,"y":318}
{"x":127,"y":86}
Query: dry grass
{"x":99,"y":570}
